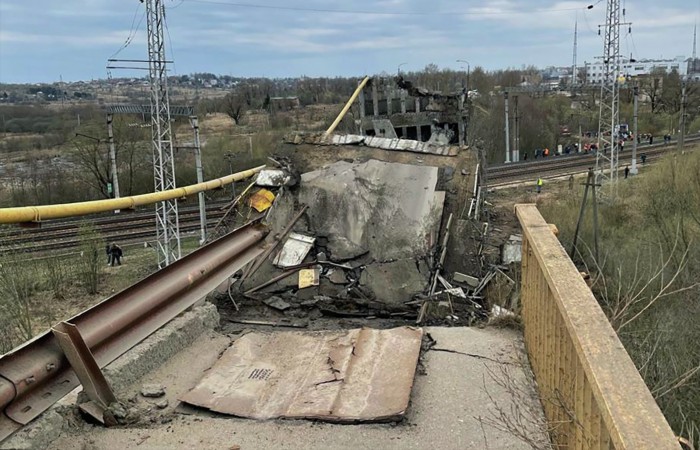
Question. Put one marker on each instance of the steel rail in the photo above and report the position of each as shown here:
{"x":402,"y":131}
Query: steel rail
{"x":38,"y":213}
{"x":503,"y":173}
{"x":37,"y":374}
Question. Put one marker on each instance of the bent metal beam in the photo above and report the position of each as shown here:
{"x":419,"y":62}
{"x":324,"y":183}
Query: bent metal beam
{"x":37,"y":374}
{"x":37,"y":213}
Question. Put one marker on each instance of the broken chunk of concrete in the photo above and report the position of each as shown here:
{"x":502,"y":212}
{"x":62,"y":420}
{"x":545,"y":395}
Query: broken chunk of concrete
{"x":277,"y":303}
{"x":394,"y":282}
{"x":465,"y":279}
{"x":388,"y":209}
{"x":343,"y":249}
{"x":152,"y":390}
{"x":162,"y":404}
{"x":337,"y":276}
{"x":273,"y":178}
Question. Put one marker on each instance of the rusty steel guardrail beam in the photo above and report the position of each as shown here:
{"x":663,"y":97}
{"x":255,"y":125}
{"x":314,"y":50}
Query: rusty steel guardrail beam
{"x":37,"y":374}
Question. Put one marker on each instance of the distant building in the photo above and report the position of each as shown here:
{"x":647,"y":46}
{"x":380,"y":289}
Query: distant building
{"x":555,"y":77}
{"x":595,"y":72}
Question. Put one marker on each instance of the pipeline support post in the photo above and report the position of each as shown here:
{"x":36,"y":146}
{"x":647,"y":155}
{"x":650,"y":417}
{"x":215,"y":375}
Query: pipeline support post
{"x":200,"y":179}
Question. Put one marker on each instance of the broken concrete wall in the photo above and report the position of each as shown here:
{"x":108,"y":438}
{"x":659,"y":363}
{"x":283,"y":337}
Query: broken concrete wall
{"x":390,"y":211}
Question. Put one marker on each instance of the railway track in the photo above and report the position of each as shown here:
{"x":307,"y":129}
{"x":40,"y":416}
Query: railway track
{"x":504,"y":174}
{"x":126,"y":228}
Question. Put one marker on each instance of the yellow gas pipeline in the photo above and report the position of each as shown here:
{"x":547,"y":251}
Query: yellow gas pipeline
{"x":346,"y":107}
{"x":44,"y":212}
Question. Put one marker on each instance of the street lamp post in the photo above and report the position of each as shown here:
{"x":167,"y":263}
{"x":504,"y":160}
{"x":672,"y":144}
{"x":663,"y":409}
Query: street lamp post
{"x":468,"y":72}
{"x":398,"y":70}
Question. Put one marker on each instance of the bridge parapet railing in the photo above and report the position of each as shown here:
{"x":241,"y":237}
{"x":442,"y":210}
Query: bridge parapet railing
{"x":591,"y":391}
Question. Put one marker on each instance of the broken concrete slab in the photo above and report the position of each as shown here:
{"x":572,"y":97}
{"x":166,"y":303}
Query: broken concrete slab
{"x":395,"y":282}
{"x":338,"y":376}
{"x":277,"y":303}
{"x":390,"y":209}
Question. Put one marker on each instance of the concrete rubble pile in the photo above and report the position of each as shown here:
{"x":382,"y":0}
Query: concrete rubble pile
{"x":353,"y":240}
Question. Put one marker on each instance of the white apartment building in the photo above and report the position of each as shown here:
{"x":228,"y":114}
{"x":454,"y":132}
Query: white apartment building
{"x":595,"y":71}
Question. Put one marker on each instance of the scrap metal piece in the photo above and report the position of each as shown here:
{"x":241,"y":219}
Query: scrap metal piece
{"x":261,"y":200}
{"x":88,"y":371}
{"x":360,"y":375}
{"x":294,"y":250}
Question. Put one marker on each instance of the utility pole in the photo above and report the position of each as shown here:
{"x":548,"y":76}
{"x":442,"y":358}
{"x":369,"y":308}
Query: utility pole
{"x":167,"y":218}
{"x":684,"y":104}
{"x":200,"y":179}
{"x":608,"y":126}
{"x":505,"y":95}
{"x":634,"y":170}
{"x":574,"y":75}
{"x":516,"y":138}
{"x":112,"y":157}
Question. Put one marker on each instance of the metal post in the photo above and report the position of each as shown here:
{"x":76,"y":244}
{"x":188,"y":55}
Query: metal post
{"x":200,"y":179}
{"x":112,"y":157}
{"x":516,"y":142}
{"x":590,"y":180}
{"x":684,"y":101}
{"x":505,"y":95}
{"x":634,"y":170}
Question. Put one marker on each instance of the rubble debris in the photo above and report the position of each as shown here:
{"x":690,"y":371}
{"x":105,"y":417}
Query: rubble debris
{"x":309,"y":277}
{"x":294,"y":250}
{"x":337,"y":277}
{"x":465,"y":279}
{"x":273,"y":178}
{"x":253,"y":267}
{"x":162,"y":404}
{"x":394,"y":282}
{"x":279,"y":323}
{"x":383,"y":143}
{"x":274,"y":280}
{"x":497,"y":311}
{"x":152,"y":390}
{"x":261,"y":200}
{"x":346,"y":376}
{"x":277,"y":303}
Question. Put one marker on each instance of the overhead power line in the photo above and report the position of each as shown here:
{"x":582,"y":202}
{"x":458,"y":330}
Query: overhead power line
{"x":386,"y":13}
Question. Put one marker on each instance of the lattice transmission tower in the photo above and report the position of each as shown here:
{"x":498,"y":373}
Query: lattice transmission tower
{"x":167,"y":219}
{"x":607,"y":155}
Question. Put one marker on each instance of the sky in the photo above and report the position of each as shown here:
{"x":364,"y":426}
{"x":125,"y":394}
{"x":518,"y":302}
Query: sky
{"x":49,"y":40}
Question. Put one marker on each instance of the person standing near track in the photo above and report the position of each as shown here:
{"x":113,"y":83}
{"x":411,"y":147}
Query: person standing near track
{"x":116,"y":253}
{"x":540,"y":182}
